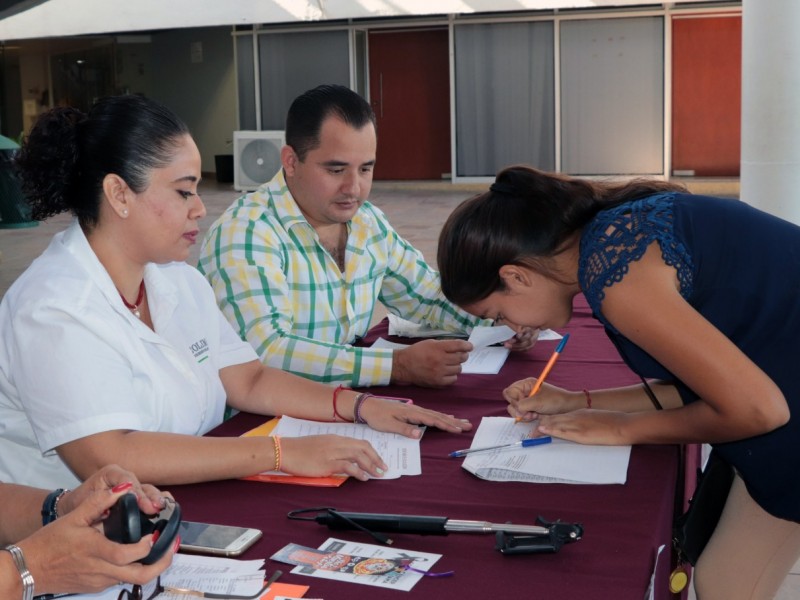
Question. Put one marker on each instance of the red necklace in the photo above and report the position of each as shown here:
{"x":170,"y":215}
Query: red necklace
{"x":134,"y":308}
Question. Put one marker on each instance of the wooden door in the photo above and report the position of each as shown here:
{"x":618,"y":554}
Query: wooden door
{"x":410,"y":93}
{"x":706,"y":95}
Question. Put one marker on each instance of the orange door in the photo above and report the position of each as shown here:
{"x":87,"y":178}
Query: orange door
{"x":409,"y":90}
{"x":706,"y":95}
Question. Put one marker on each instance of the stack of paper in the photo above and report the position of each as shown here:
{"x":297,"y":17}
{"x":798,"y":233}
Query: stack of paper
{"x":559,"y":462}
{"x":204,"y":574}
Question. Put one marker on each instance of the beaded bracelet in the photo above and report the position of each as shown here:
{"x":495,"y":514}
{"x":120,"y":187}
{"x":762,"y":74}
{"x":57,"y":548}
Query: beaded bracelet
{"x":588,"y":399}
{"x":50,"y":505}
{"x":335,"y":397}
{"x":360,"y":399}
{"x":276,"y":443}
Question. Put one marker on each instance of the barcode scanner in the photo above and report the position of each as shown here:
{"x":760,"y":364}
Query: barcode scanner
{"x":126,"y":524}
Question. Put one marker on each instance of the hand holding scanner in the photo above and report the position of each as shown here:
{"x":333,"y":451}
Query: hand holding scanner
{"x":126,"y":524}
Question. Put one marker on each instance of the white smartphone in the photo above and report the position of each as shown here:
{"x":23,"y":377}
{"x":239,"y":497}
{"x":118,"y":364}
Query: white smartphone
{"x":218,"y":540}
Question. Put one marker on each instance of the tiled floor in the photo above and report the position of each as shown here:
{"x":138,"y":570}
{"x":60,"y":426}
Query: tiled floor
{"x":416,"y":209}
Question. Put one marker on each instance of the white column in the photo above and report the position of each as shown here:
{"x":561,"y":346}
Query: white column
{"x":770,"y":170}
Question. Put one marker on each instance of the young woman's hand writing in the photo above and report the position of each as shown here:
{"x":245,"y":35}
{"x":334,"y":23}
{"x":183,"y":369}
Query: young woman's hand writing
{"x":547,"y":401}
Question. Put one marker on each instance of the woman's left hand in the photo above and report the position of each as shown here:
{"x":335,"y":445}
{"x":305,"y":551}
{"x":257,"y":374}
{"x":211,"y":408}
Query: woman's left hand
{"x":400,"y":417}
{"x":586,"y":426}
{"x":524,"y":339}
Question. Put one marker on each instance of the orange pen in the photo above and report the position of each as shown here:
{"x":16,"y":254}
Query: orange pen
{"x":548,"y":367}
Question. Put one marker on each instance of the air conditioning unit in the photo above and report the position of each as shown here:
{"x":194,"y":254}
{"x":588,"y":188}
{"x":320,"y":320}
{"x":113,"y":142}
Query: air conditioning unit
{"x":256,"y":157}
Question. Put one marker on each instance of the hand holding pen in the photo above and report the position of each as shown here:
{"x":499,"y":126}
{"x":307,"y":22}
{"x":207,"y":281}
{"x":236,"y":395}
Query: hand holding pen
{"x":547,"y":368}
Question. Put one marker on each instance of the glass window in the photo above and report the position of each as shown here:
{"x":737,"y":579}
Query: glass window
{"x":246,"y":82}
{"x":504,"y":97}
{"x":292,"y":63}
{"x":612,"y":90}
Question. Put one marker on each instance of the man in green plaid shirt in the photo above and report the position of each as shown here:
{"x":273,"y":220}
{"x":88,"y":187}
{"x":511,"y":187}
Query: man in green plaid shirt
{"x":299,"y":265}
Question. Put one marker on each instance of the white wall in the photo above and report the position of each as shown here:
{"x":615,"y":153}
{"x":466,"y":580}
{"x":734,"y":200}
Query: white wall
{"x":77,"y":17}
{"x":770,"y":172}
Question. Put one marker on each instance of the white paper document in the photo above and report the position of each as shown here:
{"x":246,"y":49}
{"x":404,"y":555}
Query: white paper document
{"x":558,"y":462}
{"x":398,"y":451}
{"x":209,"y":574}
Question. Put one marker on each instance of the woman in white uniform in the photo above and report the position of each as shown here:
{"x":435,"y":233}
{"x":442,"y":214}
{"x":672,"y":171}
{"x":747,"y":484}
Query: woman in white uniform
{"x":113,"y":349}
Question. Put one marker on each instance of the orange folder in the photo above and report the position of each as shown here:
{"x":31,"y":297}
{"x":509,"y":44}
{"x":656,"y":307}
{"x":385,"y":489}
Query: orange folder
{"x":287,"y":590}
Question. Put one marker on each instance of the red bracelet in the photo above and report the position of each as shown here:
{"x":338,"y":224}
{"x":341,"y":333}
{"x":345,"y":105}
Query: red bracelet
{"x":335,"y":396}
{"x":588,"y":399}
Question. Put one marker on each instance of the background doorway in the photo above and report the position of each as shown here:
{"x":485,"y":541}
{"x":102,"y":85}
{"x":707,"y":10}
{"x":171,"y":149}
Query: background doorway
{"x":409,"y":87}
{"x":706,"y":95}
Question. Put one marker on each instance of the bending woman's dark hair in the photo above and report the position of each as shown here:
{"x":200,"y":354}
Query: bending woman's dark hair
{"x":526,"y":218}
{"x":67,"y":154}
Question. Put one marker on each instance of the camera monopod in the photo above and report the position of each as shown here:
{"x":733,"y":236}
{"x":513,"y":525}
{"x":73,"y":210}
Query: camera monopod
{"x":544,"y":537}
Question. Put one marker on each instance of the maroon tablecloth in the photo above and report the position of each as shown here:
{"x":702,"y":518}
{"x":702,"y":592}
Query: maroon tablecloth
{"x":624,"y":524}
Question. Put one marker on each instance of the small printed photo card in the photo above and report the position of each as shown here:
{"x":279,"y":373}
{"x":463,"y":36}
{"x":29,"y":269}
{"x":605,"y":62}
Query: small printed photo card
{"x":359,"y":563}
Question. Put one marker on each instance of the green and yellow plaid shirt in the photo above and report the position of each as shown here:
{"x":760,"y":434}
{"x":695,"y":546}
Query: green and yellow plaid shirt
{"x":285,"y":294}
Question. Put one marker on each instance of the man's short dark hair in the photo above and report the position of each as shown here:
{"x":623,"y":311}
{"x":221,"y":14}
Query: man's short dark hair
{"x":310,"y":109}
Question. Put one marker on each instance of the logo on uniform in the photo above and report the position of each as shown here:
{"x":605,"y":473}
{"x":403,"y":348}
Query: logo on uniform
{"x":200,"y":350}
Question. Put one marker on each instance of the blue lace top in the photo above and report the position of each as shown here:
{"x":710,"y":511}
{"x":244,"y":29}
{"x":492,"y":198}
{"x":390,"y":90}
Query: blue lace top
{"x":740,"y":269}
{"x":621,"y":235}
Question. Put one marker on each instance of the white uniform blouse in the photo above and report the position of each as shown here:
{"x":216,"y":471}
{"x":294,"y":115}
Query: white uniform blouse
{"x":74,"y":361}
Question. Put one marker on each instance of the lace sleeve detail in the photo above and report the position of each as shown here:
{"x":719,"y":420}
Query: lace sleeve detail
{"x":619,"y":236}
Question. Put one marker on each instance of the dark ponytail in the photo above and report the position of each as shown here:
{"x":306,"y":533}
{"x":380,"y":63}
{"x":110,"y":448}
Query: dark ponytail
{"x":526,"y":218}
{"x":47,"y":162}
{"x":64,"y":160}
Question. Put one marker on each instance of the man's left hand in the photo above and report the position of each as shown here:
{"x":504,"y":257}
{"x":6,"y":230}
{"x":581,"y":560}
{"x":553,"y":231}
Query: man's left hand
{"x":524,"y":339}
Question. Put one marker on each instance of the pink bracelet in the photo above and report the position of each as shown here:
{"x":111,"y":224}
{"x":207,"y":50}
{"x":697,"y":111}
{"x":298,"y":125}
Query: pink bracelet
{"x":357,"y":418}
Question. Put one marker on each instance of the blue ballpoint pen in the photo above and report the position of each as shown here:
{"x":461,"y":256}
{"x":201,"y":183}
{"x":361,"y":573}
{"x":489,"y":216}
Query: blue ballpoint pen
{"x":520,"y":444}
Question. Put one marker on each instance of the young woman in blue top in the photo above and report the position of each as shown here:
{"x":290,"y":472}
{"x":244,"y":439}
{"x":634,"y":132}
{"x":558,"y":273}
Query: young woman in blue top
{"x":699,"y":294}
